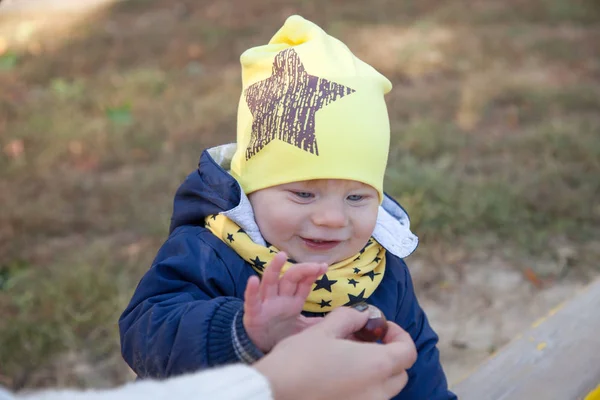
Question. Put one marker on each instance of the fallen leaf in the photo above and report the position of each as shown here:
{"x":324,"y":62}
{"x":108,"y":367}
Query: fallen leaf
{"x":87,"y":164}
{"x":14,"y":148}
{"x":195,"y":50}
{"x":532,"y":277}
{"x":75,"y":148}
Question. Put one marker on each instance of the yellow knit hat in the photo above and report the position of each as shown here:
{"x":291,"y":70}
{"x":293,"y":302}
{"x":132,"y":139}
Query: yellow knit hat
{"x":309,"y":109}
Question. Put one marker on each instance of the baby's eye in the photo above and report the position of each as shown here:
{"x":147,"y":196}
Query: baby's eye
{"x":304,"y":195}
{"x":356,"y":197}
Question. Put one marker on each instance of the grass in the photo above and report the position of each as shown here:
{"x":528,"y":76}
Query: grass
{"x":69,"y":307}
{"x":528,"y":185}
{"x":495,"y":125}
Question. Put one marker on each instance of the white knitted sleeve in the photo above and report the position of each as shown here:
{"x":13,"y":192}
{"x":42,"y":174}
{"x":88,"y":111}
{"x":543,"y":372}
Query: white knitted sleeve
{"x":235,"y":382}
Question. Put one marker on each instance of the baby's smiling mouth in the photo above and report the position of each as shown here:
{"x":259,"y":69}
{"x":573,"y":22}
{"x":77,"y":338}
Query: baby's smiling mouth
{"x":320,"y":244}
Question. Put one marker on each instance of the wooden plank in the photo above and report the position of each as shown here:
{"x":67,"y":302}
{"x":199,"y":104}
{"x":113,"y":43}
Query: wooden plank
{"x":558,"y":357}
{"x":594,"y":395}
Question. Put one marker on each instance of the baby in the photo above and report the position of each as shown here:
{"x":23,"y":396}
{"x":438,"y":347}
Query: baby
{"x":273,"y":232}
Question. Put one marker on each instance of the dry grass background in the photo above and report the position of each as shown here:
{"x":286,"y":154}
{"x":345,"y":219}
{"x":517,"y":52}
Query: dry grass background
{"x":495,"y":147}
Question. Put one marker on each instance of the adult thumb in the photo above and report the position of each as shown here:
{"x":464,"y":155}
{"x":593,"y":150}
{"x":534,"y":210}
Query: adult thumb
{"x":342,"y":322}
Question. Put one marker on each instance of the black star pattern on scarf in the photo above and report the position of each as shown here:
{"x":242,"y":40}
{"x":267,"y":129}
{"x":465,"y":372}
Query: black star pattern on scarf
{"x":324,"y":303}
{"x":214,"y":217}
{"x":257,"y":263}
{"x":355,"y":299}
{"x":357,"y":270}
{"x":206,"y":224}
{"x":284,"y":105}
{"x":324,"y":283}
{"x":272,"y":251}
{"x":352,"y":282}
{"x":372,"y":274}
{"x":357,"y":258}
{"x":376,"y":259}
{"x":241,"y":231}
{"x":370,"y":242}
{"x":230,"y":237}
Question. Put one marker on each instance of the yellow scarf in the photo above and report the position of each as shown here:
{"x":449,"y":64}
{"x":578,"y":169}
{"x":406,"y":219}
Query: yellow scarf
{"x":346,"y":282}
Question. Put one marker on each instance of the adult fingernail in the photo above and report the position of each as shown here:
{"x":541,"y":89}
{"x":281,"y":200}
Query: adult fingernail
{"x":362,"y":306}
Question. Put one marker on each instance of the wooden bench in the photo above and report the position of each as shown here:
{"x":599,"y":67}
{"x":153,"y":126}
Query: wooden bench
{"x":557,"y":358}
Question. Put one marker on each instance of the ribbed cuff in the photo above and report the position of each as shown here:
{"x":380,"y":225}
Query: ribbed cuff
{"x":245,"y":350}
{"x":228,"y":341}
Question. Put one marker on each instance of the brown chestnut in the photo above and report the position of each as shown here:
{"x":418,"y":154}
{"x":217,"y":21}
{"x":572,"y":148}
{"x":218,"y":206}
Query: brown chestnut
{"x":376,"y":327}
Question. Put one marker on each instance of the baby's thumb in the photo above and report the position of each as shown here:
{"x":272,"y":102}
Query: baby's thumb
{"x":343,"y":322}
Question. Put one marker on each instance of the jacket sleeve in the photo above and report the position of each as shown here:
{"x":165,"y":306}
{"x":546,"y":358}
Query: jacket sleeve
{"x":185,"y":313}
{"x":426,"y":378}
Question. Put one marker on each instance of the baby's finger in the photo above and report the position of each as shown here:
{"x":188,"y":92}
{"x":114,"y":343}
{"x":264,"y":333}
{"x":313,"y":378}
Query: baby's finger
{"x":252,"y":302}
{"x":287,"y":287}
{"x":297,"y":273}
{"x":269,"y":285}
{"x":304,"y":287}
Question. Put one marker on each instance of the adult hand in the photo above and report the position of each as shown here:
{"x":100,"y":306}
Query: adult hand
{"x":322,"y":362}
{"x":273,"y":305}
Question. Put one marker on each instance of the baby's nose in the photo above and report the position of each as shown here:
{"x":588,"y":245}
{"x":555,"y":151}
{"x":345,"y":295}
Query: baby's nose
{"x":331,"y":217}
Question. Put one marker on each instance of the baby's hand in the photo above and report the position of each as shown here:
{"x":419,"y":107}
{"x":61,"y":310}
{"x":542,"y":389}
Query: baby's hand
{"x":272,"y":306}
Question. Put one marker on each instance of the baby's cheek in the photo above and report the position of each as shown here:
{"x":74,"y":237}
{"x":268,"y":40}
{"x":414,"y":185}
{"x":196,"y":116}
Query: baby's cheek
{"x":366,"y":231}
{"x":277,"y":230}
{"x":370,"y":222}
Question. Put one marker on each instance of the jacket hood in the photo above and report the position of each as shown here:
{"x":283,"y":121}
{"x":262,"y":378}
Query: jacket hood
{"x":206,"y":191}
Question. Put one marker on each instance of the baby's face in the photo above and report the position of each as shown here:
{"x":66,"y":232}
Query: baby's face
{"x":325,"y":220}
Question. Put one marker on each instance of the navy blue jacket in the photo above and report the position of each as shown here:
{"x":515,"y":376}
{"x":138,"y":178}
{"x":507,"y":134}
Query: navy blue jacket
{"x":186,"y":312}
